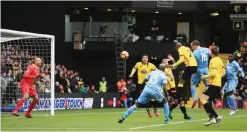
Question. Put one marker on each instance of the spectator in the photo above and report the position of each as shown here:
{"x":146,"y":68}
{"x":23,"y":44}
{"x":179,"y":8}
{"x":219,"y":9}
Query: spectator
{"x":131,"y":88}
{"x":74,"y":83}
{"x":83,"y":89}
{"x":80,"y":83}
{"x":244,"y":94}
{"x":154,"y":30}
{"x":58,"y":88}
{"x":93,"y":89}
{"x":103,"y":85}
{"x":121,"y":85}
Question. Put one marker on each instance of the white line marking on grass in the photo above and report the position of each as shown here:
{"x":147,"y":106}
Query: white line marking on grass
{"x":58,"y":128}
{"x":89,"y":113}
{"x":182,"y":122}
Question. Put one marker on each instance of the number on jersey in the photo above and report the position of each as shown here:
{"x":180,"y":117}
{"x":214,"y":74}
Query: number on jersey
{"x":153,"y":79}
{"x":204,"y":56}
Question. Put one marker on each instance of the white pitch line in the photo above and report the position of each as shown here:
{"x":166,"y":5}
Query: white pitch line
{"x":181,"y":122}
{"x":89,"y":113}
{"x":58,"y":128}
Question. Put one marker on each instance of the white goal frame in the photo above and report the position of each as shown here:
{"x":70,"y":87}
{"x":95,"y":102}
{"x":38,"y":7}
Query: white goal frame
{"x":35,"y":35}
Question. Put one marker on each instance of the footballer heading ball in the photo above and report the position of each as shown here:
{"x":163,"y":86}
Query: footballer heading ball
{"x":124,"y":55}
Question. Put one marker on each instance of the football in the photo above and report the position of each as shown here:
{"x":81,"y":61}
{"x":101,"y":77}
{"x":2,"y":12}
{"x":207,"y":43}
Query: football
{"x":124,"y":55}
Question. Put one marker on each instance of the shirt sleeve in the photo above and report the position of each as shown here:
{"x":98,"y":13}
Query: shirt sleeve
{"x":240,"y":70}
{"x":195,"y":53}
{"x":181,"y":58}
{"x":153,"y":67}
{"x":165,"y":79}
{"x":136,"y":66}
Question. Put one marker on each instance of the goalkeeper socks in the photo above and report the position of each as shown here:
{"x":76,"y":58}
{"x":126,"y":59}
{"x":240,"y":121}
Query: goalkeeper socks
{"x":166,"y":111}
{"x":193,"y":91}
{"x":173,"y":106}
{"x":32,"y":105}
{"x":211,"y":104}
{"x":231,"y":100}
{"x":20,"y":102}
{"x":183,"y":109}
{"x":129,"y":111}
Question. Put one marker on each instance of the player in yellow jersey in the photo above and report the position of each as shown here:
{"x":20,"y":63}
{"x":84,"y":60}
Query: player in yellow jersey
{"x":177,"y":98}
{"x":186,"y":57}
{"x":216,"y":71}
{"x":143,"y":68}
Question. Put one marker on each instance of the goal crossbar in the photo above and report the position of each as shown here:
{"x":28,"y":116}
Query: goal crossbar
{"x":28,"y":34}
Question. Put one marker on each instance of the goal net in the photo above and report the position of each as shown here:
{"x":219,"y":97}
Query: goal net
{"x":18,"y":50}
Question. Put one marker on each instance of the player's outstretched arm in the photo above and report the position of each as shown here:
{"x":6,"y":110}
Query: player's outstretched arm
{"x":181,"y":60}
{"x":133,"y":71}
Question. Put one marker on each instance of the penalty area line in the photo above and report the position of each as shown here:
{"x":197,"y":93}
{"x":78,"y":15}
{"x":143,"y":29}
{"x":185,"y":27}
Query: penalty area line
{"x":182,"y":122}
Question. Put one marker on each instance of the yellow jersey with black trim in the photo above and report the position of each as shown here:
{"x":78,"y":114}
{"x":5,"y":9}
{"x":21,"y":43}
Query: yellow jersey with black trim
{"x":143,"y":70}
{"x":170,"y":79}
{"x":216,"y":65}
{"x":186,"y":56}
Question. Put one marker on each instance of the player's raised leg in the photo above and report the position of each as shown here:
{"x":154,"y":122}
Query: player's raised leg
{"x":195,"y":79}
{"x":143,"y":99}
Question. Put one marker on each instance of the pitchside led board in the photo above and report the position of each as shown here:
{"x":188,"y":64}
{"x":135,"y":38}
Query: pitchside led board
{"x":238,"y":9}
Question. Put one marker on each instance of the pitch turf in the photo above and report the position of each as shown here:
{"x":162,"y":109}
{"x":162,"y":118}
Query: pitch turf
{"x":106,"y":120}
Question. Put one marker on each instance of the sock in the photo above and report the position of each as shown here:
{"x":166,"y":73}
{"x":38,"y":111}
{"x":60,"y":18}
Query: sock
{"x":153,"y":103}
{"x":20,"y":102}
{"x":209,"y":109}
{"x":209,"y":114}
{"x":183,"y":109}
{"x":129,"y":111}
{"x":32,"y":105}
{"x":166,"y":111}
{"x":147,"y":109}
{"x":155,"y":109}
{"x":232,"y":102}
{"x":173,"y":106}
{"x":193,"y":91}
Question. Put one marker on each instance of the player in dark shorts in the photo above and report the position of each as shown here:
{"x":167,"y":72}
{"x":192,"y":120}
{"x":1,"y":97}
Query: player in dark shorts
{"x":216,"y":71}
{"x":177,"y":97}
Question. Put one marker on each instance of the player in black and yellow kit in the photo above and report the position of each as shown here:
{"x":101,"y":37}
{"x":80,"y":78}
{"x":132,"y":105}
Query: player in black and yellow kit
{"x":186,"y":57}
{"x":216,"y":71}
{"x":177,"y":95}
{"x":143,"y":68}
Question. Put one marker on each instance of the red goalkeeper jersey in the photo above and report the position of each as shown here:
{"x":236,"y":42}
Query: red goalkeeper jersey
{"x":30,"y":74}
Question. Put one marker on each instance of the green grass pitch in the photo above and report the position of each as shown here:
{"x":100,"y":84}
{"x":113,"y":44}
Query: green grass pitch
{"x":106,"y":120}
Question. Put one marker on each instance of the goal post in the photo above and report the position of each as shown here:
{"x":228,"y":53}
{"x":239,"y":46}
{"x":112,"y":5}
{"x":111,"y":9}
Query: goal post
{"x":17,"y":50}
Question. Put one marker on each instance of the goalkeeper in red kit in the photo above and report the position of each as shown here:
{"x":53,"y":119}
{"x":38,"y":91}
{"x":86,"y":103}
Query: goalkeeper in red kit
{"x":27,"y":87}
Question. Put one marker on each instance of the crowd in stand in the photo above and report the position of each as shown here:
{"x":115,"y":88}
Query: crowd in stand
{"x":69,"y":81}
